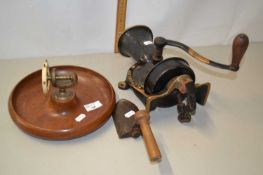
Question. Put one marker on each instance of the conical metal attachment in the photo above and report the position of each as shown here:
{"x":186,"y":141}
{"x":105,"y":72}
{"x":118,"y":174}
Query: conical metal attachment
{"x":137,"y":42}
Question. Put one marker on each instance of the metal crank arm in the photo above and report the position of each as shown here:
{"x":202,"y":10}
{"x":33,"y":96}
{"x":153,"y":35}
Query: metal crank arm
{"x":239,"y":47}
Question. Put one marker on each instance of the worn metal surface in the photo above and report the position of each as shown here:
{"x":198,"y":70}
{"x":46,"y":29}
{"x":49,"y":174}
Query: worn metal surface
{"x":151,"y":76}
{"x":131,"y":122}
{"x":63,"y":80}
{"x":239,"y":47}
{"x":137,"y":42}
{"x":123,"y":117}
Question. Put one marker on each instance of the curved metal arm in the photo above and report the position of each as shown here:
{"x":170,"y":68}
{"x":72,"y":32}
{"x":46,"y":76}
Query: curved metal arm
{"x":239,"y":47}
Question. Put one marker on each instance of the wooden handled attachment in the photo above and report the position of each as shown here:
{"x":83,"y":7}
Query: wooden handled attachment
{"x":154,"y":153}
{"x":240,"y":44}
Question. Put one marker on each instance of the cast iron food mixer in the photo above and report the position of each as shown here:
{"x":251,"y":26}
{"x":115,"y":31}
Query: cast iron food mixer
{"x":160,"y":82}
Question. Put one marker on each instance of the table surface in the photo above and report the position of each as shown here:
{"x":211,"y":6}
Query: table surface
{"x":224,"y":137}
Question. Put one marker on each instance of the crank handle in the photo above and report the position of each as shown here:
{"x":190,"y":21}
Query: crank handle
{"x":239,"y":47}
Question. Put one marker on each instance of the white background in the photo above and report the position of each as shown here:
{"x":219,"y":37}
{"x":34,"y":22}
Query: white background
{"x":37,"y":28}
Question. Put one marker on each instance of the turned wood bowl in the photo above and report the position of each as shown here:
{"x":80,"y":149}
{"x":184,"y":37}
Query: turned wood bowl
{"x":39,"y":115}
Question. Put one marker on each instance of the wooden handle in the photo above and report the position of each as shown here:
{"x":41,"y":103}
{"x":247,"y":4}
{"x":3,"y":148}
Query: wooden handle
{"x":154,"y":153}
{"x":240,"y":44}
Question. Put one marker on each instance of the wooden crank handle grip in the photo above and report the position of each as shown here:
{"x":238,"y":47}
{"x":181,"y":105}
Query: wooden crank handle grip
{"x":142,"y":117}
{"x":240,"y":44}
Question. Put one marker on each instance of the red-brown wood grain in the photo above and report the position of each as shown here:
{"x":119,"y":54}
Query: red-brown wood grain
{"x":41,"y":116}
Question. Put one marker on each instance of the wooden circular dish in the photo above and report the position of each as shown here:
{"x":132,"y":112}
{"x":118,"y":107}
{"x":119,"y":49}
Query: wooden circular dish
{"x":40,"y":116}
